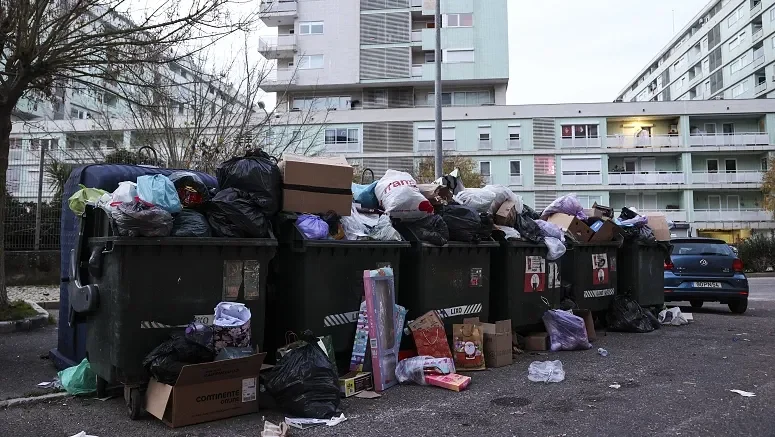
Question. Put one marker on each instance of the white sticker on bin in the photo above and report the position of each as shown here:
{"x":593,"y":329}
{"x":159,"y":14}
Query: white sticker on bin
{"x":340,"y":319}
{"x":206,"y":319}
{"x":460,"y":311}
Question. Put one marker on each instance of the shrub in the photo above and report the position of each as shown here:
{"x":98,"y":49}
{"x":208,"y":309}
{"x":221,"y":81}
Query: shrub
{"x":758,"y":253}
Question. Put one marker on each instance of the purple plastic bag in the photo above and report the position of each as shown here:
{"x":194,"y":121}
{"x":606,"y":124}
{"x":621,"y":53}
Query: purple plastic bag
{"x":568,"y":204}
{"x":567,"y":332}
{"x":551,"y":230}
{"x":313,"y":227}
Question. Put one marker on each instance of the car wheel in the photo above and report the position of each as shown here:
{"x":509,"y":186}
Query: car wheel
{"x":696,"y":303}
{"x":738,"y":306}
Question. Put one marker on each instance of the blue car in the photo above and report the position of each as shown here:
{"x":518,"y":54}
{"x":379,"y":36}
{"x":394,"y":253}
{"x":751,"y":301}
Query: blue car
{"x":705,"y":270}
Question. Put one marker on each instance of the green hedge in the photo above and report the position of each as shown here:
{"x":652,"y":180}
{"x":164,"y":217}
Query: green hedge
{"x":758,"y":253}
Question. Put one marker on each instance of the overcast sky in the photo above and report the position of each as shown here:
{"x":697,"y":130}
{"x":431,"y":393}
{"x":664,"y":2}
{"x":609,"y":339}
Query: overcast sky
{"x":570,"y":51}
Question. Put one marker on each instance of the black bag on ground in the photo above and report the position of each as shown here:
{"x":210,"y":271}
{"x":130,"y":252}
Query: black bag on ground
{"x":255,"y":174}
{"x":465,"y":224}
{"x":528,"y":228}
{"x":167,"y":360}
{"x":304,"y":383}
{"x":625,"y":315}
{"x":189,"y":223}
{"x":432,"y":229}
{"x":232,"y":213}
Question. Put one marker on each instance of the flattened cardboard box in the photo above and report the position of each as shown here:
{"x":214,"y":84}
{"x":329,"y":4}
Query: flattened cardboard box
{"x":355,"y":382}
{"x":316,"y":185}
{"x":608,"y":232}
{"x":206,"y":392}
{"x":658,"y":224}
{"x":589,"y":323}
{"x":570,"y":224}
{"x":507,"y":214}
{"x":497,"y":342}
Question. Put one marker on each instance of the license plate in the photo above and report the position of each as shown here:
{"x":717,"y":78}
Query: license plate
{"x":707,"y":284}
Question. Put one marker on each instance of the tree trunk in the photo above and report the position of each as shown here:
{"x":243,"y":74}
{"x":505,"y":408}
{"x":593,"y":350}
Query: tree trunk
{"x":5,"y":144}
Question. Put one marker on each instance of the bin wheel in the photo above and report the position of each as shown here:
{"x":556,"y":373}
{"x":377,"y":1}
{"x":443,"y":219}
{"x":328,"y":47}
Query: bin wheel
{"x":134,"y":404}
{"x":102,"y":387}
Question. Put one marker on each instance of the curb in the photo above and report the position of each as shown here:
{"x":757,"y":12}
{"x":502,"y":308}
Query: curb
{"x":33,"y":400}
{"x":27,"y":324}
{"x":49,"y":305}
{"x":761,"y":275}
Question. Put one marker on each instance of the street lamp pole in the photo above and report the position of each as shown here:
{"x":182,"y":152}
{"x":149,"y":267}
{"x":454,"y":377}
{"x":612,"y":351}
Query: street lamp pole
{"x":438,"y":158}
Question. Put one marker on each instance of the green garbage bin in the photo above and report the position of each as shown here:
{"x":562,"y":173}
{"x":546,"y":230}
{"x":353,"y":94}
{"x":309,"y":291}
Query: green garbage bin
{"x":641,"y":271}
{"x":591,"y":269}
{"x":524,"y":284}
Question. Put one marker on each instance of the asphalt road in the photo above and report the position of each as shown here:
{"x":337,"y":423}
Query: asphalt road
{"x":674,"y":381}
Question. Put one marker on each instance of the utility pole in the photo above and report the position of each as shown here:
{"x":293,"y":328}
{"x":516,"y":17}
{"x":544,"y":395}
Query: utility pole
{"x":439,"y":158}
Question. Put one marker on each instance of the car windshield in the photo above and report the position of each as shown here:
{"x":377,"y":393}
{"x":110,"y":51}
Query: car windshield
{"x":701,"y":248}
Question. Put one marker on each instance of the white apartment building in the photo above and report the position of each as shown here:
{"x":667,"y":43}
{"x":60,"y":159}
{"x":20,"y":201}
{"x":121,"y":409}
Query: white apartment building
{"x":727,"y":51}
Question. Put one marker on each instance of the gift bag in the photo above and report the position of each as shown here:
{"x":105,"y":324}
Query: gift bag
{"x":468,"y":345}
{"x":429,"y":336}
{"x":231,"y":327}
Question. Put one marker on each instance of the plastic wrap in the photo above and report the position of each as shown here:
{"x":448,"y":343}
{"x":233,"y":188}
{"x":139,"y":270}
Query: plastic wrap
{"x":137,"y":219}
{"x":159,"y":190}
{"x":479,"y":199}
{"x":546,"y":371}
{"x":167,"y":360}
{"x":400,"y":198}
{"x":432,"y":229}
{"x":528,"y":228}
{"x":567,"y":331}
{"x":465,"y":224}
{"x":384,"y":230}
{"x":503,"y":194}
{"x":568,"y":204}
{"x":556,"y":248}
{"x":313,"y":227}
{"x":509,"y":233}
{"x":414,"y":369}
{"x":550,"y":230}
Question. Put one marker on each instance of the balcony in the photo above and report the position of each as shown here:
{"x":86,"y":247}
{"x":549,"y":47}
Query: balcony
{"x":735,"y":139}
{"x":737,"y":177}
{"x":647,"y":178}
{"x":582,"y":178}
{"x":760,"y":88}
{"x":756,"y":9}
{"x":485,"y":144}
{"x":430,"y":145}
{"x":674,"y":215}
{"x":278,"y":12}
{"x":757,"y":33}
{"x":514,"y":144}
{"x":758,"y":60}
{"x":738,"y":215}
{"x":279,"y":80}
{"x":417,"y":36}
{"x":416,"y":3}
{"x":417,"y":70}
{"x":632,"y":142}
{"x":278,"y":47}
{"x":515,"y":179}
{"x":572,"y":143}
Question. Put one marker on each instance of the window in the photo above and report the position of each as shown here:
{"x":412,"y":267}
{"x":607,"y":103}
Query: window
{"x":736,"y":65}
{"x":462,"y":98}
{"x":728,"y":128}
{"x":310,"y":62}
{"x":484,"y":169}
{"x":321,"y":103}
{"x":765,"y":162}
{"x":426,"y":138}
{"x":741,"y":89}
{"x":458,"y":56}
{"x":712,"y":166}
{"x":514,"y":132}
{"x":342,"y":140}
{"x":629,"y":165}
{"x":736,"y":15}
{"x":772,"y":15}
{"x":311,"y":28}
{"x":706,"y":65}
{"x":484,"y":138}
{"x":734,"y":43}
{"x":430,"y":57}
{"x":458,"y":20}
{"x":515,"y":168}
{"x":582,"y":171}
{"x":579,"y":131}
{"x":730,"y":165}
{"x":545,"y":165}
{"x":710,"y":128}
{"x":679,"y":64}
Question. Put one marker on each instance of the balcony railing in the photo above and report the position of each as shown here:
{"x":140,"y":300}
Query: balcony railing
{"x":760,"y":88}
{"x":417,"y":3}
{"x":756,"y":9}
{"x":515,"y":179}
{"x":570,"y":143}
{"x":430,"y":145}
{"x":274,"y":47}
{"x":417,"y":70}
{"x":280,"y":7}
{"x":737,"y":215}
{"x":757,"y":34}
{"x":417,"y":36}
{"x":647,"y":178}
{"x":735,"y":139}
{"x":485,"y":144}
{"x":582,"y":178}
{"x":514,"y":144}
{"x":674,"y":215}
{"x":736,"y":177}
{"x":628,"y":141}
{"x":758,"y":61}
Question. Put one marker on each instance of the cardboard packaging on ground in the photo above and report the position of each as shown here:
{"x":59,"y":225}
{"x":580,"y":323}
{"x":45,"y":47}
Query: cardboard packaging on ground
{"x":658,"y":224}
{"x":453,"y":381}
{"x":537,"y":341}
{"x":355,"y":382}
{"x":589,"y":323}
{"x":572,"y":225}
{"x":206,"y":392}
{"x":316,"y":185}
{"x":497,"y":342}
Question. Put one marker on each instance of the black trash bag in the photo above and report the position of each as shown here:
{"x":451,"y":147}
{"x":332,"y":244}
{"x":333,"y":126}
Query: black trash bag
{"x":528,"y":228}
{"x":465,"y":224}
{"x":232,"y":213}
{"x":255,"y":174}
{"x":530,"y":212}
{"x":189,"y":223}
{"x":140,"y":219}
{"x":625,"y":315}
{"x":304,"y":383}
{"x":191,"y":190}
{"x":432,"y":229}
{"x":167,"y":360}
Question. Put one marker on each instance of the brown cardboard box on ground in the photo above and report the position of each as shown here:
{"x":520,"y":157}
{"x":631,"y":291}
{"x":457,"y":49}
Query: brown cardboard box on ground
{"x":355,"y":382}
{"x":589,"y":323}
{"x":607,"y":232}
{"x":537,"y":341}
{"x":316,"y":185}
{"x":507,"y":214}
{"x":658,"y":224}
{"x":497,"y":342}
{"x":206,"y":392}
{"x":570,"y":224}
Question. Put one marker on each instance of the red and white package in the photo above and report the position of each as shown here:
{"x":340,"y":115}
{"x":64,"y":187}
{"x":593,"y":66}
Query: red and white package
{"x":398,"y":194}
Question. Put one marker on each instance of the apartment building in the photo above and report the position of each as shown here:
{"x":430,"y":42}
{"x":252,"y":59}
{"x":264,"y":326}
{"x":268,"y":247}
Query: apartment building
{"x":726,"y":52}
{"x":371,"y":54}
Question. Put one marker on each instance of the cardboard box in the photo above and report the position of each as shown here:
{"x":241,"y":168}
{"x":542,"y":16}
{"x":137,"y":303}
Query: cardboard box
{"x":453,"y":381}
{"x":658,"y":224}
{"x":608,"y":231}
{"x":355,"y":382}
{"x":507,"y":214}
{"x":316,"y":185}
{"x":206,"y":392}
{"x":537,"y":341}
{"x":589,"y":323}
{"x":601,"y":211}
{"x":497,"y":342}
{"x":570,"y":224}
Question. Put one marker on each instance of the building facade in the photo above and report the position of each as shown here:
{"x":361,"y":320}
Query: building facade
{"x":726,"y":52}
{"x":377,"y":54}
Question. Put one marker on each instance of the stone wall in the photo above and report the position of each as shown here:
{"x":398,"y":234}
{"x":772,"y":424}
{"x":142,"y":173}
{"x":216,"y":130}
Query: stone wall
{"x":32,"y":267}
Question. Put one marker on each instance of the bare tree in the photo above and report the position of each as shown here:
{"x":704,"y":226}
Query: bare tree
{"x":48,"y":46}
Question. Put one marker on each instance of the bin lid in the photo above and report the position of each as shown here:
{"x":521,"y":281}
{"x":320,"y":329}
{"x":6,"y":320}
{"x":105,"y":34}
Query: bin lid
{"x":185,"y":241}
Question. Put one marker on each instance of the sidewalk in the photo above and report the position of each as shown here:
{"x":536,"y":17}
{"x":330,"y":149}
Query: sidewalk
{"x":46,"y":296}
{"x":21,"y":362}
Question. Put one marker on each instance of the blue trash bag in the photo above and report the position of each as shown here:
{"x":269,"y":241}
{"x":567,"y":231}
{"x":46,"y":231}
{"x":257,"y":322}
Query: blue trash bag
{"x":364,"y":194}
{"x":313,"y":227}
{"x":160,"y":191}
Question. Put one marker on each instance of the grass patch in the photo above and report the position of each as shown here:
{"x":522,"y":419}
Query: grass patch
{"x":17,"y":310}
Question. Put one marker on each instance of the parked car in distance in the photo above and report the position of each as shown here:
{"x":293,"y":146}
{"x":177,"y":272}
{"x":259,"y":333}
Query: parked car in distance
{"x":705,"y":270}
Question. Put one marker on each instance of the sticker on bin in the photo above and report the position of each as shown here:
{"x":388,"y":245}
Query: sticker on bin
{"x":239,"y":274}
{"x":206,"y":319}
{"x":599,"y":293}
{"x":460,"y":311}
{"x":613,"y":263}
{"x":553,"y":280}
{"x":340,"y":319}
{"x":535,"y":274}
{"x":599,"y":269}
{"x":476,"y":277}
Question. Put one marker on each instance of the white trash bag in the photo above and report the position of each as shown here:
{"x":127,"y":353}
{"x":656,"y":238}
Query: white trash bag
{"x":672,"y":316}
{"x":398,"y":194}
{"x":502,"y":194}
{"x":477,"y":198}
{"x":546,"y":371}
